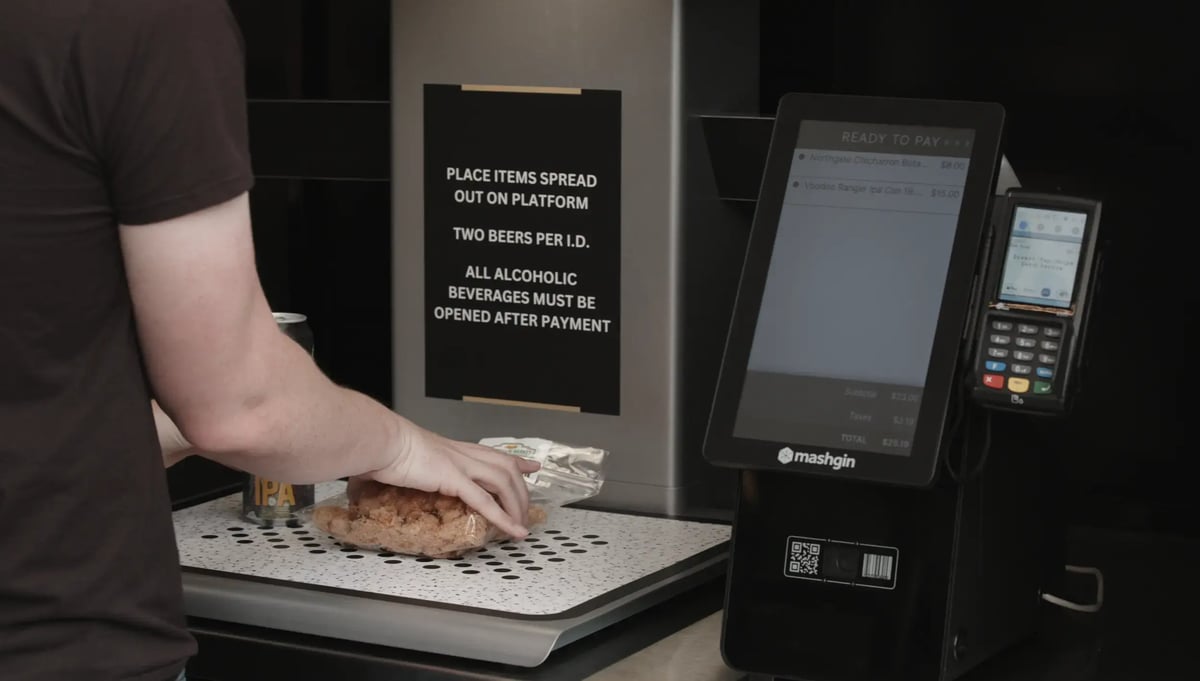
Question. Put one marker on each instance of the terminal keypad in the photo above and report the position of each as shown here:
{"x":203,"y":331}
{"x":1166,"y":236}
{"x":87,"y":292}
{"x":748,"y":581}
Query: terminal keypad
{"x":1021,"y":357}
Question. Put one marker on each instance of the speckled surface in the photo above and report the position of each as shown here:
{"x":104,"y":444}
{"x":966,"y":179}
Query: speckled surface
{"x":576,"y":556}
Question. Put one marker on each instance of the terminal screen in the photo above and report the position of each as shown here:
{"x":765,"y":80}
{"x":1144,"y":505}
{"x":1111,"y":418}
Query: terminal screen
{"x":1042,"y":257}
{"x":850,"y":306}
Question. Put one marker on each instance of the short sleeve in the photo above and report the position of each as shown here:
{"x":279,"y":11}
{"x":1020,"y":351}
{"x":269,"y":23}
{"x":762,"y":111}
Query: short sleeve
{"x":161,"y":85}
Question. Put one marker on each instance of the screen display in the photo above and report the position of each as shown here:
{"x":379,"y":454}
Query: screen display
{"x":854,"y":287}
{"x":1042,"y":257}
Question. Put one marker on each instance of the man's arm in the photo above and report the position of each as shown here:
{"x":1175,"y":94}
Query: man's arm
{"x":174,"y":446}
{"x":248,"y":396}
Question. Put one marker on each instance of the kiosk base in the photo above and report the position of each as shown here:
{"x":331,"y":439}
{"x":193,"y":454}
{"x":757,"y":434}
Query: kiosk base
{"x":509,"y":603}
{"x":968,"y":565}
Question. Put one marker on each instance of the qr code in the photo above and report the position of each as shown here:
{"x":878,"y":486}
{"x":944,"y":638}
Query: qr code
{"x":804,"y":559}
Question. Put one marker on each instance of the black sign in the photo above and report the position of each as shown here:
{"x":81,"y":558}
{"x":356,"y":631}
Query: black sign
{"x":523,"y":246}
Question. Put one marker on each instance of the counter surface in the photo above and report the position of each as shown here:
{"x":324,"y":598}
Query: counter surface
{"x":693,"y":654}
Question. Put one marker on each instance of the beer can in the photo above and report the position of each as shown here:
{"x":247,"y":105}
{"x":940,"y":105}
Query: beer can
{"x":268,"y":502}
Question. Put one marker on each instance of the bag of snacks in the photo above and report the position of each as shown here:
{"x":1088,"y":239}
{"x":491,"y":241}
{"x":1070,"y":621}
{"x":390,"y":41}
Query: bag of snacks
{"x":372,"y":515}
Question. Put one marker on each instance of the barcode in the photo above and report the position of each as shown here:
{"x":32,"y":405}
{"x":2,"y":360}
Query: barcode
{"x":805,"y":559}
{"x":876,"y":566}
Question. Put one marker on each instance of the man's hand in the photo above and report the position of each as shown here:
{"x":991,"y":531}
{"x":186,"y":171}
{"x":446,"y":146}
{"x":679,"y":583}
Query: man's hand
{"x":476,"y":474}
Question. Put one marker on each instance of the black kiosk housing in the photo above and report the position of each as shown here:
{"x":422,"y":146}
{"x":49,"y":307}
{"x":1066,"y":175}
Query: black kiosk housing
{"x":858,"y":551}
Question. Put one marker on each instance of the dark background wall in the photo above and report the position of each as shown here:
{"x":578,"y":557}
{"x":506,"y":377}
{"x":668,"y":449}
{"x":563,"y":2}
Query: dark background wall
{"x":1098,"y":104}
{"x":318,"y":83}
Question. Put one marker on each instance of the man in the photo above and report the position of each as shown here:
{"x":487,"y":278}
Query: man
{"x":126,"y":274}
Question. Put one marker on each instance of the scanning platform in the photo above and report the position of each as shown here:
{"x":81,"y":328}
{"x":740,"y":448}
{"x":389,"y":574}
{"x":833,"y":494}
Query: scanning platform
{"x":509,"y":603}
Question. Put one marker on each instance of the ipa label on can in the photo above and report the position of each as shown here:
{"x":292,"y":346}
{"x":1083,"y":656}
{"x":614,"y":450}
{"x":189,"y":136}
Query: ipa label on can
{"x":266,"y":501}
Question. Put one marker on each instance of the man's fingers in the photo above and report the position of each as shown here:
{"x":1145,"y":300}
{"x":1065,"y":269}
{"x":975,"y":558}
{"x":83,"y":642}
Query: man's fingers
{"x":518,"y":485}
{"x":509,"y":464}
{"x":527,"y":466}
{"x":497,"y":481}
{"x":475,"y":497}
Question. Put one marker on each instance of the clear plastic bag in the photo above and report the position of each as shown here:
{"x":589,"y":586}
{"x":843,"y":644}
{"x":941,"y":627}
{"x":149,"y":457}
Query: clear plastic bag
{"x":568,"y":474}
{"x":372,"y":515}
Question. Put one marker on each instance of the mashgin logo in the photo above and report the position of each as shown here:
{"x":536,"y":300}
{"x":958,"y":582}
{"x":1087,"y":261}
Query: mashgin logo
{"x":787,"y":456}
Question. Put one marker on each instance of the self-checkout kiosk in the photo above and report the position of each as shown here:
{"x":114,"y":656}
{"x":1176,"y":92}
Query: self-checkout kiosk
{"x":904,"y":326}
{"x":565,"y":267}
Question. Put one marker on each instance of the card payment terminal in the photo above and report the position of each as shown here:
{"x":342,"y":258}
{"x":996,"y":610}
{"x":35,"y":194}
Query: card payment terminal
{"x":1037,"y":286}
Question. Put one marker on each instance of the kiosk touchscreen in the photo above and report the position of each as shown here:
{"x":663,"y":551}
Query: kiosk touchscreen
{"x":856,"y":289}
{"x":844,"y":382}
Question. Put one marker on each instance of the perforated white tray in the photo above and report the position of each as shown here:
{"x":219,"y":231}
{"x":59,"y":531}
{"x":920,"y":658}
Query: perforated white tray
{"x":578,"y":556}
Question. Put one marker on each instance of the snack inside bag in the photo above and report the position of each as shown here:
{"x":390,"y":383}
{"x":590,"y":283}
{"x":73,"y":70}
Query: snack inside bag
{"x":372,"y":515}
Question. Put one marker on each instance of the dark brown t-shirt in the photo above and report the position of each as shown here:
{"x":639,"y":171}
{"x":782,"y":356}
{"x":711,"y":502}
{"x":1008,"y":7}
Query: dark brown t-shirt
{"x":111,"y":111}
